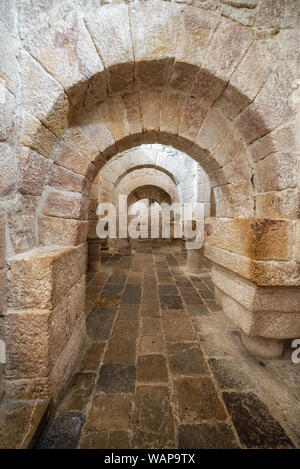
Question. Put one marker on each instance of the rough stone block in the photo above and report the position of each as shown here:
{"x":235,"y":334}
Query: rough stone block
{"x":7,"y":108}
{"x":154,"y":41}
{"x":272,"y":273}
{"x":213,"y":130}
{"x":220,"y":60}
{"x":43,"y":97}
{"x":62,"y":178}
{"x":280,"y":204}
{"x":8,"y":169}
{"x":260,"y":239}
{"x":36,"y":136}
{"x":114,"y":114}
{"x":64,"y":319}
{"x":21,"y":219}
{"x":65,"y":205}
{"x":233,"y":200}
{"x":193,"y":115}
{"x":41,"y":278}
{"x":33,"y":171}
{"x":275,"y":172}
{"x":110,"y":30}
{"x":67,"y":41}
{"x":53,"y":230}
{"x":26,"y":336}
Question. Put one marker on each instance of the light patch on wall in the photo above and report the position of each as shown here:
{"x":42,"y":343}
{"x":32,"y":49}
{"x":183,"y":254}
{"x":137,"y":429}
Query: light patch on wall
{"x":2,"y":352}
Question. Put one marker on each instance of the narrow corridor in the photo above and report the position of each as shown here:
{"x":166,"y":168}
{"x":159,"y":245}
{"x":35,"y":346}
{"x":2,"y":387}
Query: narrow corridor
{"x":163,"y":367}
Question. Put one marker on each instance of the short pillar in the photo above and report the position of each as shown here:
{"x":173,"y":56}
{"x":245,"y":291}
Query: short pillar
{"x":262,"y":347}
{"x":94,"y":255}
{"x":195,"y":260}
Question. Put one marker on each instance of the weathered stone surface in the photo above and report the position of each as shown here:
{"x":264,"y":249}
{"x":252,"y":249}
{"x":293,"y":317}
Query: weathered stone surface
{"x":260,"y":299}
{"x":177,"y":327}
{"x":65,"y":205}
{"x":171,"y":302}
{"x":36,"y":136}
{"x":151,"y":326}
{"x":255,"y":425}
{"x":132,"y":294}
{"x":153,"y":41}
{"x":8,"y":168}
{"x":118,"y":439}
{"x":263,"y":273}
{"x":170,"y":113}
{"x":206,"y":436}
{"x":229,"y":375}
{"x":116,"y":379}
{"x":122,"y":346}
{"x":213,"y":130}
{"x":19,"y":423}
{"x":223,"y":61}
{"x":260,"y":239}
{"x":65,"y":317}
{"x":110,"y":30}
{"x":94,"y":440}
{"x":9,"y":65}
{"x":77,"y":396}
{"x":27,"y":351}
{"x":279,"y":140}
{"x":186,"y":359}
{"x":43,"y":97}
{"x":273,"y":101}
{"x":152,"y":369}
{"x":197,"y":399}
{"x":114,"y":115}
{"x":234,"y":200}
{"x":7,"y":107}
{"x":195,"y":33}
{"x":151,"y":344}
{"x":59,"y":231}
{"x":275,"y":172}
{"x":153,"y":423}
{"x":279,"y":204}
{"x":63,"y":433}
{"x":64,"y":179}
{"x":41,"y":278}
{"x":33,"y":171}
{"x":99,"y":323}
{"x":129,"y":311}
{"x":65,"y":363}
{"x":109,"y":412}
{"x":92,"y":357}
{"x":67,"y":41}
{"x":2,"y":237}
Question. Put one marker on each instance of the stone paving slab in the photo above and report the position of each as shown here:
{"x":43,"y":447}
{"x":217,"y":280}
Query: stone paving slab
{"x":164,"y":368}
{"x":20,"y":423}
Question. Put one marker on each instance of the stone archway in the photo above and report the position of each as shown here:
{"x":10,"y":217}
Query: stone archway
{"x":205,"y":88}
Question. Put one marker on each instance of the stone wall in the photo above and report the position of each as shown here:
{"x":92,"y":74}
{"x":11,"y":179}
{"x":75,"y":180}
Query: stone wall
{"x":45,"y":320}
{"x":81,"y":83}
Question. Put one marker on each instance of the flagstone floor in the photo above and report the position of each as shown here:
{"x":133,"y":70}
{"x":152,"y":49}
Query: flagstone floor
{"x":164,"y":368}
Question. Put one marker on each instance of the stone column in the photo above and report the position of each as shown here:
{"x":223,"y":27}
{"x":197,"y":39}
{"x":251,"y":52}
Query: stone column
{"x":94,"y":255}
{"x":195,"y":260}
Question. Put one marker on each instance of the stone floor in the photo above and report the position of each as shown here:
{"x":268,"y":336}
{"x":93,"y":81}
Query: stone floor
{"x":164,"y":368}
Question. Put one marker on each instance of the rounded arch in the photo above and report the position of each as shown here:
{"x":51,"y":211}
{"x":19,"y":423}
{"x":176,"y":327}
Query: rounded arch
{"x":196,"y":81}
{"x":150,"y":192}
{"x":149,"y":177}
